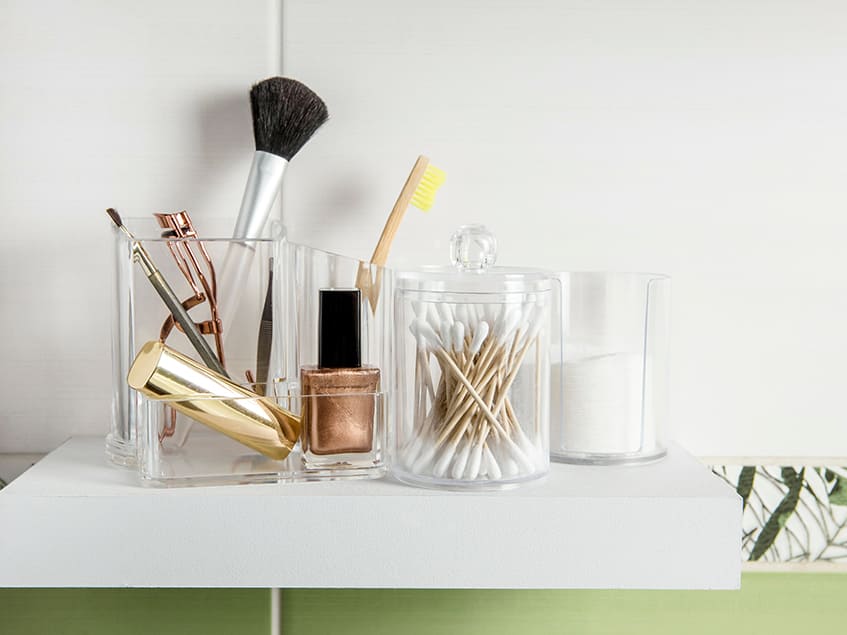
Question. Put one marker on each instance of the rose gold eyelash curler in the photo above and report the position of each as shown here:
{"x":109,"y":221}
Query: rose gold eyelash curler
{"x":179,"y":225}
{"x":201,"y":278}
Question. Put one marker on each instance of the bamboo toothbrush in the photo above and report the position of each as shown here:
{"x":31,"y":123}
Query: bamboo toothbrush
{"x":419,"y":190}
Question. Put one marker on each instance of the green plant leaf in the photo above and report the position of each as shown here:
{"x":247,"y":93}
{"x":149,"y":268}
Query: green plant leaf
{"x":781,"y":514}
{"x":838,"y":493}
{"x":745,"y":483}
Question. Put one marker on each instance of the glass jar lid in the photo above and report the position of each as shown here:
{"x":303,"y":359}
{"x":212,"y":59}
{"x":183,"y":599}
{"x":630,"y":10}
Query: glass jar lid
{"x":473,"y":252}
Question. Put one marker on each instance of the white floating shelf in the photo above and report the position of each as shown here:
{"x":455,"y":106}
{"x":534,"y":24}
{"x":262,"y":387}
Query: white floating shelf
{"x":74,"y":521}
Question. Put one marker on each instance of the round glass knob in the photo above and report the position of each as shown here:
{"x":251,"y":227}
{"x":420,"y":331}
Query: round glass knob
{"x":473,"y":248}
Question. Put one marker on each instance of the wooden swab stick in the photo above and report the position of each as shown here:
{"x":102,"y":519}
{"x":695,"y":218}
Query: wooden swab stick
{"x":449,"y":452}
{"x":515,"y":450}
{"x":463,"y":380}
{"x":517,"y":364}
{"x":537,"y":421}
{"x":421,"y":392}
{"x":475,"y":460}
{"x":488,"y":362}
{"x":458,"y":412}
{"x":462,"y":398}
{"x":473,"y":409}
{"x":424,"y":362}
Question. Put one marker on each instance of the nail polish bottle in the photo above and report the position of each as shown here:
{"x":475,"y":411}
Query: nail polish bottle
{"x":339,"y":396}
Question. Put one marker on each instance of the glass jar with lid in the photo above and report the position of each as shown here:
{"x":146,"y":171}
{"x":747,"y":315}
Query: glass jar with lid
{"x":473,"y":370}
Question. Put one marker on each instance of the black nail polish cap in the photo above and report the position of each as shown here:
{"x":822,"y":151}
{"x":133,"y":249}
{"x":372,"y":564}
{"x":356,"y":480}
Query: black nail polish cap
{"x":339,"y":329}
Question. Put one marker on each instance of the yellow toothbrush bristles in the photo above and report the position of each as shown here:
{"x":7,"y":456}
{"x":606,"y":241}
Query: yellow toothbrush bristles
{"x":424,"y":195}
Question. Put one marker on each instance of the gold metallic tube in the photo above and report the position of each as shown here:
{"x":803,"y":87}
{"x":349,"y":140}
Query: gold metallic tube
{"x":161,"y":373}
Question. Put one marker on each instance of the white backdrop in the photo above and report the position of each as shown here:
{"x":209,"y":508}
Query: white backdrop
{"x":140,"y":106}
{"x":703,"y":139}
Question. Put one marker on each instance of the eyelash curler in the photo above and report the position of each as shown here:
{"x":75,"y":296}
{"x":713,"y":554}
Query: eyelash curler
{"x":178,"y":225}
{"x":199,"y":272}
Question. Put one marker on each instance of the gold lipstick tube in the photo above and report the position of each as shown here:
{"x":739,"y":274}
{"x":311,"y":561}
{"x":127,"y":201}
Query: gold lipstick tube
{"x":161,"y":373}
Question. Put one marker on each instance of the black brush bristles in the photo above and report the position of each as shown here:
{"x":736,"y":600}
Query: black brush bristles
{"x":116,"y":218}
{"x":286,"y":114}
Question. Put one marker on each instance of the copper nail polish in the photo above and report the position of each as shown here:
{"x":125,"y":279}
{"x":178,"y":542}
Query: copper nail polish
{"x":339,"y":415}
{"x":339,"y":393}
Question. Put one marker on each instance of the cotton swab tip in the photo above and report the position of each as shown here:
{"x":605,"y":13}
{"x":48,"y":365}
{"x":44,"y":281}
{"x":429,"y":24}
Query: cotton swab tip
{"x":508,"y":324}
{"x":458,"y":337}
{"x":479,"y":336}
{"x":427,"y":332}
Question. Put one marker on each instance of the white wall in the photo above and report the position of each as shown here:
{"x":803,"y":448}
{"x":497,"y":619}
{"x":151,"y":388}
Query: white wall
{"x":141,"y":106}
{"x":705,"y":139}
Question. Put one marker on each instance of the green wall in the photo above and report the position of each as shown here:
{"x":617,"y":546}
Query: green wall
{"x":767,"y":603}
{"x":134,"y":611}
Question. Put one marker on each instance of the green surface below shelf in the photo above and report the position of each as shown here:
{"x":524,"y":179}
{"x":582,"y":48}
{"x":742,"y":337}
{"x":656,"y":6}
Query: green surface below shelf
{"x":134,"y":611}
{"x":768,"y":603}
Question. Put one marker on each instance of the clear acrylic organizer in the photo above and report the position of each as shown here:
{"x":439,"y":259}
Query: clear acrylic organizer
{"x":178,"y":451}
{"x":342,"y":438}
{"x":472,"y":355}
{"x":610,"y":371}
{"x":139,"y":315}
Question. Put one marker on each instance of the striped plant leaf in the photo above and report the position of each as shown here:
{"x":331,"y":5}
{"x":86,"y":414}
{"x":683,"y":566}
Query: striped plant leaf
{"x":783,"y":511}
{"x":838,"y":493}
{"x":745,"y":483}
{"x":814,"y":529}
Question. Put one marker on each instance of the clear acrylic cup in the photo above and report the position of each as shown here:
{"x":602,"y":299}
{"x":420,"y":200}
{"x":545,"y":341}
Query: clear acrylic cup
{"x":610,"y":370}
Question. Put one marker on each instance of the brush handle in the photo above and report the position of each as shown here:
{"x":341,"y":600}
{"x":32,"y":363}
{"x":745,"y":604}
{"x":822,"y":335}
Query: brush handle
{"x":380,"y":254}
{"x":184,"y":320}
{"x":259,"y":194}
{"x":262,"y":187}
{"x":231,"y":282}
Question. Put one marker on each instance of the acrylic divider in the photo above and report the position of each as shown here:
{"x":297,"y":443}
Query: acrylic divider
{"x":610,"y":372}
{"x":121,"y":443}
{"x":139,"y":315}
{"x":345,"y":412}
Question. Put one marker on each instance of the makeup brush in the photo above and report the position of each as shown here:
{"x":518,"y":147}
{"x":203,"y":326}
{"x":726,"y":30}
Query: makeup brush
{"x":170,"y":298}
{"x":286,"y":113}
{"x":419,"y":190}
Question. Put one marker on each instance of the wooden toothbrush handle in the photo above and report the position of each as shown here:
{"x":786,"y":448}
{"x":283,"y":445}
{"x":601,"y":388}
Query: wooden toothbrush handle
{"x":380,"y":254}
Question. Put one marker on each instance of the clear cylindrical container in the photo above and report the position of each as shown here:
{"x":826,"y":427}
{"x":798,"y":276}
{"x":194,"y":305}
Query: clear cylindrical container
{"x":610,"y":370}
{"x":473,"y":382}
{"x":337,"y":361}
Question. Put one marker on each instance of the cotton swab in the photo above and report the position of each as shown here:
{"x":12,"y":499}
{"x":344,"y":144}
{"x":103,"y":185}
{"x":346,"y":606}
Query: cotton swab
{"x":471,"y":431}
